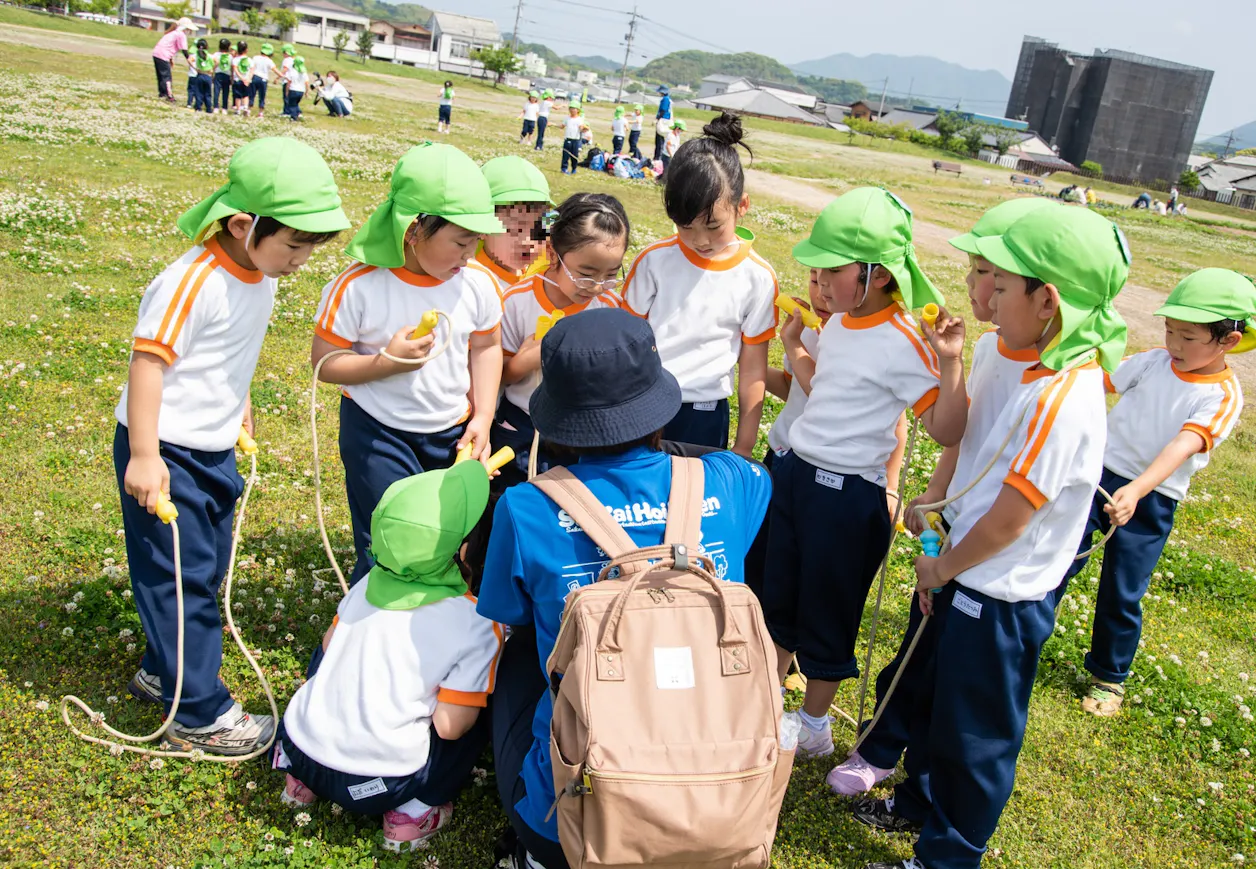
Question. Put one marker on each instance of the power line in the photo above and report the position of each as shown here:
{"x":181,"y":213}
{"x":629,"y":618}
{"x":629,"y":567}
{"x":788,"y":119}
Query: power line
{"x":682,"y":35}
{"x":623,"y":70}
{"x":588,"y":6}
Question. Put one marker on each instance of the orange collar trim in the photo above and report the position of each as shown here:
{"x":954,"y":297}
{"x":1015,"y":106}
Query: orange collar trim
{"x":233,"y":268}
{"x":879,"y":318}
{"x":408,"y":277}
{"x":715,"y":265}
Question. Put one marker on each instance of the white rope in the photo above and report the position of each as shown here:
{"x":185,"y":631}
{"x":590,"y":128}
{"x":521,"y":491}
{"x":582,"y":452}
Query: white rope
{"x":135,"y":743}
{"x":318,"y":476}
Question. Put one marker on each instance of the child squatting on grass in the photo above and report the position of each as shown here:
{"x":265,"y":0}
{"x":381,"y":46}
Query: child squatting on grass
{"x":1178,"y":403}
{"x":1013,"y":535}
{"x":389,"y":722}
{"x":414,"y":254}
{"x":196,"y":344}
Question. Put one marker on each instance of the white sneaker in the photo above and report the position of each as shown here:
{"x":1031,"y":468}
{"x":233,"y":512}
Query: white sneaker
{"x":236,"y":732}
{"x":855,"y":776}
{"x":816,"y":743}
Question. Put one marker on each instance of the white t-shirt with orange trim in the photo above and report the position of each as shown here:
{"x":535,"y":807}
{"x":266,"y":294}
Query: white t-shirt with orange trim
{"x":523,"y":305}
{"x":868,"y":371}
{"x":205,"y":317}
{"x":1157,"y":402}
{"x":1054,"y":459}
{"x":503,"y":279}
{"x":996,"y":374}
{"x":368,"y":710}
{"x":364,"y":306}
{"x":702,"y":311}
{"x":795,"y":400}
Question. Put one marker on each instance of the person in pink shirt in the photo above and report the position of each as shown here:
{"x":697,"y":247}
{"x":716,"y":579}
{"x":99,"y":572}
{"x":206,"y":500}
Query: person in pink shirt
{"x":168,"y":48}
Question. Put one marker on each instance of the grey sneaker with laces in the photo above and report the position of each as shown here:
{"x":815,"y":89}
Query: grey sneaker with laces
{"x":235,"y":733}
{"x":145,"y":686}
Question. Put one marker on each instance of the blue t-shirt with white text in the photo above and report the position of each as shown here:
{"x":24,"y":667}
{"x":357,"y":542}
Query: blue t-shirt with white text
{"x":537,"y":556}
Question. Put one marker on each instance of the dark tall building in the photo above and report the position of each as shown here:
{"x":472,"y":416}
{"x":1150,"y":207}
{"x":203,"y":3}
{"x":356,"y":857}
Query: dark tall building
{"x":1136,"y":116}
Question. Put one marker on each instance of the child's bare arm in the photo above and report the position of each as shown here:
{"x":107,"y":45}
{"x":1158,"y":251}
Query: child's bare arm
{"x":486,"y":377}
{"x":526,"y":360}
{"x":146,"y":473}
{"x":939,"y":483}
{"x":948,"y":417}
{"x":799,"y":359}
{"x":1172,"y":457}
{"x":894,"y":467}
{"x":351,"y":369}
{"x":752,"y":369}
{"x":777,"y":382}
{"x":452,"y":721}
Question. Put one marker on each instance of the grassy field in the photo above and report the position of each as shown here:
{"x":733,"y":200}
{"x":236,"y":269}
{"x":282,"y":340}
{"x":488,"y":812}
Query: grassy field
{"x":93,"y":173}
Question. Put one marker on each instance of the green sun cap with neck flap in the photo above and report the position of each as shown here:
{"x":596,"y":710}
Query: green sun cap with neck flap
{"x":513,"y":179}
{"x":997,"y":220}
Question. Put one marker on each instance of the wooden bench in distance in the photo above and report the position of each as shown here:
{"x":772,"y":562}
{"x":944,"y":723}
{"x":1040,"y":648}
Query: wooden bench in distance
{"x":1026,"y":180}
{"x":941,"y":166}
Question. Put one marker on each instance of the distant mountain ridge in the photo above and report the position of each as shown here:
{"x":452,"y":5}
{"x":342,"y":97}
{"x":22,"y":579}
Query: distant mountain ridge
{"x":931,"y":80}
{"x":402,"y":13}
{"x":1244,"y":137}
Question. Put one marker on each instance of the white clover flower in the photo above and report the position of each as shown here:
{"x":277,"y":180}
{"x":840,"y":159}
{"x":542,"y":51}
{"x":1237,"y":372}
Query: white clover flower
{"x":156,"y":763}
{"x":302,"y":819}
{"x":41,"y":705}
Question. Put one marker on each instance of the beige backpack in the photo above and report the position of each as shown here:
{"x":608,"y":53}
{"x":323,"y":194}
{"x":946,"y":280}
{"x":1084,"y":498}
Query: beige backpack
{"x":665,"y":740}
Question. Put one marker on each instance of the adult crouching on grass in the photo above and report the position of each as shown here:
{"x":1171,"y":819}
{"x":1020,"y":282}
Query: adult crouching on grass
{"x":338,"y":100}
{"x":605,"y":396}
{"x":167,"y":49}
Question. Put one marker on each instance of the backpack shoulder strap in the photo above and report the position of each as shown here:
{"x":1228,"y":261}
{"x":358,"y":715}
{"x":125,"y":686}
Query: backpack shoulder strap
{"x":684,"y":505}
{"x":563,"y":488}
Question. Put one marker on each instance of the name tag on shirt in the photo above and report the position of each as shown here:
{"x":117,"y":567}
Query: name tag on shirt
{"x":966,"y":605}
{"x":368,"y":789}
{"x":705,"y":405}
{"x":828,"y":478}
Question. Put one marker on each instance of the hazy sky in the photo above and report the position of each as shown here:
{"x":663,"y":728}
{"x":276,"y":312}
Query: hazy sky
{"x":979,"y":35}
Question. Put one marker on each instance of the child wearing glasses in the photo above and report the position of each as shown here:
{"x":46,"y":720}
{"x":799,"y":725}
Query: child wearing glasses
{"x":587,"y":240}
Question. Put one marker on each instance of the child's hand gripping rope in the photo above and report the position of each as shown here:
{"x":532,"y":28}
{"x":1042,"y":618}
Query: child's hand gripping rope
{"x":168,"y":513}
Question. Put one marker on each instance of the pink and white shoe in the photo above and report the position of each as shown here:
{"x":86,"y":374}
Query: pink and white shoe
{"x":403,"y":832}
{"x":855,"y":776}
{"x":297,"y":794}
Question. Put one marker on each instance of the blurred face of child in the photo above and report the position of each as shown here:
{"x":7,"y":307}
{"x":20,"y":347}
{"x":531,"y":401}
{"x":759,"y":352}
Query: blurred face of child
{"x":444,"y":253}
{"x":818,"y":303}
{"x":1022,"y":317}
{"x":980,"y":280}
{"x":842,"y":289}
{"x":516,"y":248}
{"x":1192,"y":347}
{"x":574,"y":111}
{"x":590,"y":270}
{"x":713,"y":234}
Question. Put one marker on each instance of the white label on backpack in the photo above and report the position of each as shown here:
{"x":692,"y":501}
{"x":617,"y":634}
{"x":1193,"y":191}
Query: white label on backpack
{"x":826,"y":478}
{"x":673,"y":668}
{"x":966,"y":605}
{"x":705,"y":405}
{"x":368,"y":789}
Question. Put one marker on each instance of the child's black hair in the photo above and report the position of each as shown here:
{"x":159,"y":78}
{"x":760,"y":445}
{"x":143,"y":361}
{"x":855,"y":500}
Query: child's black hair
{"x":1033,"y":285}
{"x":224,"y":45}
{"x":449,"y":84}
{"x":202,"y":44}
{"x":268,"y":226}
{"x":705,"y":172}
{"x":242,"y":47}
{"x":584,"y":216}
{"x":890,"y":287}
{"x":1221,"y":329}
{"x":428,"y":226}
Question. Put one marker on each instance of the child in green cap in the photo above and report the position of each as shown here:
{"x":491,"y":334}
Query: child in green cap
{"x":634,"y":132}
{"x":521,"y":197}
{"x":296,"y":81}
{"x":241,"y":77}
{"x":203,"y":64}
{"x":196,"y":344}
{"x":222,"y":75}
{"x":672,"y":143}
{"x":263,"y":68}
{"x":618,"y":130}
{"x":414,"y":254}
{"x":1178,"y":403}
{"x":543,"y":116}
{"x":830,"y":491}
{"x":531,"y":111}
{"x":573,"y":129}
{"x":996,"y":371}
{"x":1013,"y":535}
{"x":389,"y":721}
{"x":445,"y":115}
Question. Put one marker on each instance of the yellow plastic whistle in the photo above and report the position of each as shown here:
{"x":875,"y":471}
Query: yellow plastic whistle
{"x":245,"y":442}
{"x":166,"y":510}
{"x":539,"y":265}
{"x":427,"y":323}
{"x":810,"y":319}
{"x":934,"y":521}
{"x":465,"y":452}
{"x":929,"y":313}
{"x":500,"y":459}
{"x":545,"y":322}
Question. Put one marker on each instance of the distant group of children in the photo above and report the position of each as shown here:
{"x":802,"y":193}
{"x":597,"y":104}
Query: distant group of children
{"x":390,"y":720}
{"x":230,"y":81}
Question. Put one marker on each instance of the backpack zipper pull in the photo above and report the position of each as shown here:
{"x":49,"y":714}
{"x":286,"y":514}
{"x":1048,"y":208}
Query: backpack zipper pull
{"x":574,"y":788}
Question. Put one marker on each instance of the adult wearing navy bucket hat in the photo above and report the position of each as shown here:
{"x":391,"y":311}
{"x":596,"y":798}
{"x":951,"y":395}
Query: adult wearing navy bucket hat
{"x":605,"y":396}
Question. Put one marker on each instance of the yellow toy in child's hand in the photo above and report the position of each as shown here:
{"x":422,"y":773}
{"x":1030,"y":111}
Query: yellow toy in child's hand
{"x":166,"y":510}
{"x":500,"y":459}
{"x":929,"y":313}
{"x":245,"y":442}
{"x":427,"y":323}
{"x":810,"y":319}
{"x":933,"y":520}
{"x":545,"y":322}
{"x":465,"y":452}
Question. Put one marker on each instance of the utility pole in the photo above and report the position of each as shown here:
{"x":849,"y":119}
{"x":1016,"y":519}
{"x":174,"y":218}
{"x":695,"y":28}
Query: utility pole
{"x":910,"y":88}
{"x":514,"y":37}
{"x":1225,"y":152}
{"x":623,"y":70}
{"x":885,"y":87}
